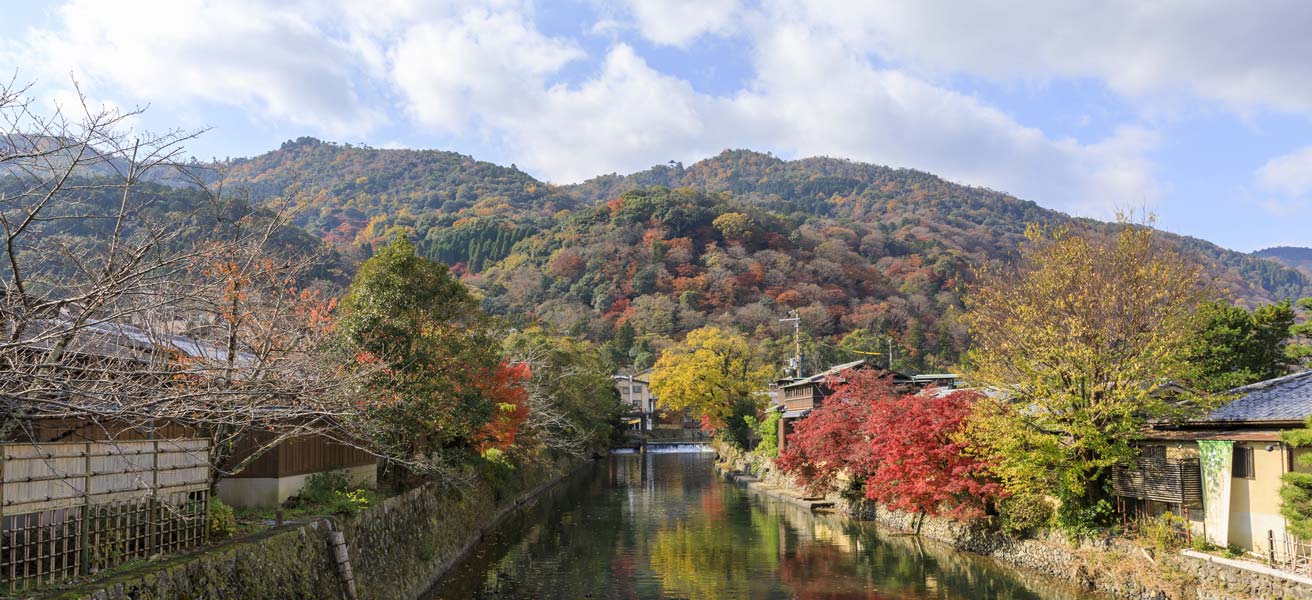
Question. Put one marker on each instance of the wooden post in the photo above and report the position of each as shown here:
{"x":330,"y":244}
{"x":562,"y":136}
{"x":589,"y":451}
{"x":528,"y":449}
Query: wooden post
{"x":1271,"y":546}
{"x":1188,"y":527}
{"x":152,"y":501}
{"x":84,"y":536}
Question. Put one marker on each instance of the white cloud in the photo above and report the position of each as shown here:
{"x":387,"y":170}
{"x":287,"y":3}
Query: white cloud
{"x":1246,"y":56}
{"x":819,"y":96}
{"x":484,"y":73}
{"x":1288,"y":181}
{"x":272,"y":61}
{"x":680,"y":22}
{"x":1290,"y":174}
{"x":482,"y":65}
{"x":627,"y":118}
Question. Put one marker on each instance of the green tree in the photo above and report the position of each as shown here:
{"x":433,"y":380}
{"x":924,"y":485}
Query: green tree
{"x":1301,"y":350}
{"x":410,"y":317}
{"x":1236,"y":347}
{"x":1296,"y":489}
{"x":1076,"y":338}
{"x":714,"y":372}
{"x":573,"y":403}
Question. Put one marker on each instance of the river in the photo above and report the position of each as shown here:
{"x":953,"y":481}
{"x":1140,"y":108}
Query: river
{"x":664,"y":526}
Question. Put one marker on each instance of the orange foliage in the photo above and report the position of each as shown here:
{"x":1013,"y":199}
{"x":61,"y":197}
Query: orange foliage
{"x":505,"y":388}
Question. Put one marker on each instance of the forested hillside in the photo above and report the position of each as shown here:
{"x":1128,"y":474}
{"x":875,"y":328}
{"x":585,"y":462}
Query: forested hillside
{"x":1289,"y":256}
{"x":458,"y":210}
{"x":739,"y":240}
{"x":182,"y":218}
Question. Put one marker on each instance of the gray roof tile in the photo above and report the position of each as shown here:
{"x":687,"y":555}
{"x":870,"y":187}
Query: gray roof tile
{"x":1287,"y":398}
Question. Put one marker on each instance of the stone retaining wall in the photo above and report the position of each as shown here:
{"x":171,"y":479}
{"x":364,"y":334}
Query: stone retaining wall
{"x":1115,"y":567}
{"x":398,"y":549}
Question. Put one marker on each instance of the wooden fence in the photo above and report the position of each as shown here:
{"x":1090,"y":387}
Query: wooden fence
{"x":72,"y":509}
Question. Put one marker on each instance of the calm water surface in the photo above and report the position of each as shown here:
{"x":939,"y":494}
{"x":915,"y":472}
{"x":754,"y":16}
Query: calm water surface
{"x":664,"y":526}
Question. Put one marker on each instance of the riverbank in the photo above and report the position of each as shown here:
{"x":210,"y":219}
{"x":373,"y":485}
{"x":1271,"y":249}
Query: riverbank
{"x":1113,"y":567}
{"x":396,"y":549}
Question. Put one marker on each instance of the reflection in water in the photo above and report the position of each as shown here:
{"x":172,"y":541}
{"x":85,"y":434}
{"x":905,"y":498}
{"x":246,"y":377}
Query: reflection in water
{"x":664,"y":526}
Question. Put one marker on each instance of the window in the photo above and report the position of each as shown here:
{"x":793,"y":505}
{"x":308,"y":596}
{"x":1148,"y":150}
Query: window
{"x":1153,"y":452}
{"x":1243,"y":467}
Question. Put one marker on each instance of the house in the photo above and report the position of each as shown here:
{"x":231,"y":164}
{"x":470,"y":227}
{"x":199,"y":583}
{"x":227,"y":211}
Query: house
{"x":1223,"y":471}
{"x":798,"y":397}
{"x":127,"y":353}
{"x":282,"y":470}
{"x":636,"y":396}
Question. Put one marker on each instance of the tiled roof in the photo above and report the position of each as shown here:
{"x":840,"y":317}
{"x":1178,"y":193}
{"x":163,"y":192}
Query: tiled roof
{"x":819,"y":377}
{"x":1287,"y":398}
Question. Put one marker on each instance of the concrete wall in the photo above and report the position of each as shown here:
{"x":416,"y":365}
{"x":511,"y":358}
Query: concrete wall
{"x":248,"y":492}
{"x":1255,"y":503}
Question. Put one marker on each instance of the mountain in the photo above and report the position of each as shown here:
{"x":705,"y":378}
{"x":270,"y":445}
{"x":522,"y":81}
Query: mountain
{"x":1289,"y":256}
{"x":739,"y":239}
{"x":356,"y":195}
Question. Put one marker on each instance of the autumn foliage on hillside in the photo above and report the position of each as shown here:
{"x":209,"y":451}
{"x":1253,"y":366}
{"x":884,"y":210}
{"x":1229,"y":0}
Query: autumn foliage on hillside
{"x":901,"y":447}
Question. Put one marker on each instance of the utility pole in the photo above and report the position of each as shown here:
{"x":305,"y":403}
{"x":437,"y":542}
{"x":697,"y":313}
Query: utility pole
{"x":797,"y":341}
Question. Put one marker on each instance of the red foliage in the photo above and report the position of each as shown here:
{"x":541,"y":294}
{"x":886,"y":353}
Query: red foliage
{"x":900,"y":445}
{"x":504,"y":387}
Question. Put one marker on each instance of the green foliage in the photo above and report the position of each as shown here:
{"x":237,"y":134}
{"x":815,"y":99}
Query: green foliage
{"x":1165,"y":532}
{"x":1296,"y":489}
{"x":576,"y":405}
{"x":426,"y":347}
{"x":1300,"y":351}
{"x":330,"y":492}
{"x":223,"y":520}
{"x":1071,"y":338}
{"x":1236,"y":347}
{"x":321,"y":488}
{"x":1024,"y":514}
{"x":768,"y":430}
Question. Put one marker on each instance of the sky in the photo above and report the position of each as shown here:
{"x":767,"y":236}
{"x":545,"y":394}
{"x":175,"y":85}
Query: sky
{"x":1197,"y":111}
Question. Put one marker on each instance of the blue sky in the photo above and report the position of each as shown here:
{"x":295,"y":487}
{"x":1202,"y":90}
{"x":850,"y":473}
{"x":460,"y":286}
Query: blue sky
{"x":1198,"y":111}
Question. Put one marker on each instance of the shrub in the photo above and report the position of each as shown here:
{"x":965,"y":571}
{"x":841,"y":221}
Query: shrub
{"x":1023,"y":514}
{"x":223,"y":520}
{"x":322,"y":488}
{"x":1164,"y":532}
{"x":349,"y":503}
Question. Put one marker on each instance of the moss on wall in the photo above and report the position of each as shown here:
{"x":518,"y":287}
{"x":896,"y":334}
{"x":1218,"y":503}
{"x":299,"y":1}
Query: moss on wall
{"x":398,"y":548}
{"x":291,"y":564}
{"x":401,"y":547}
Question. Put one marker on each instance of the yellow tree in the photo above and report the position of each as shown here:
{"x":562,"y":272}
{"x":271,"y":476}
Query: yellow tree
{"x":716,"y":374}
{"x":1076,"y":338}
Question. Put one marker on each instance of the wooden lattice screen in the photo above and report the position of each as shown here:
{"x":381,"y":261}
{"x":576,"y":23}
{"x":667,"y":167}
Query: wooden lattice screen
{"x":1174,"y":481}
{"x":71,"y":509}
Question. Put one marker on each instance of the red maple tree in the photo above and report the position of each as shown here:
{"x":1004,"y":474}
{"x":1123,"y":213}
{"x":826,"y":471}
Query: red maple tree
{"x":901,"y":446}
{"x":505,"y":388}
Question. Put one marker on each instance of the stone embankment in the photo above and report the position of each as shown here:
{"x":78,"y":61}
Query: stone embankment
{"x":398,"y":549}
{"x":1114,"y":567}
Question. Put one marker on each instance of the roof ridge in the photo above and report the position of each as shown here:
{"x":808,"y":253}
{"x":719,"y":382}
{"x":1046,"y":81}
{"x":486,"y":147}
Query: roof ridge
{"x":1265,"y":383}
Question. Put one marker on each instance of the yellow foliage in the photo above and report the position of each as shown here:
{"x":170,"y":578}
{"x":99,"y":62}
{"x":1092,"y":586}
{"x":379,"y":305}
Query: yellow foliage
{"x":709,"y":372}
{"x":1076,"y":341}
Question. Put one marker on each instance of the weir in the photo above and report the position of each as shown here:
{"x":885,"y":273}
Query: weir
{"x":666,"y":447}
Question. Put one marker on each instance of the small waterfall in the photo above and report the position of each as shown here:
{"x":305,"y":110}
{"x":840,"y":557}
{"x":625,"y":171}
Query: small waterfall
{"x":678,"y":447}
